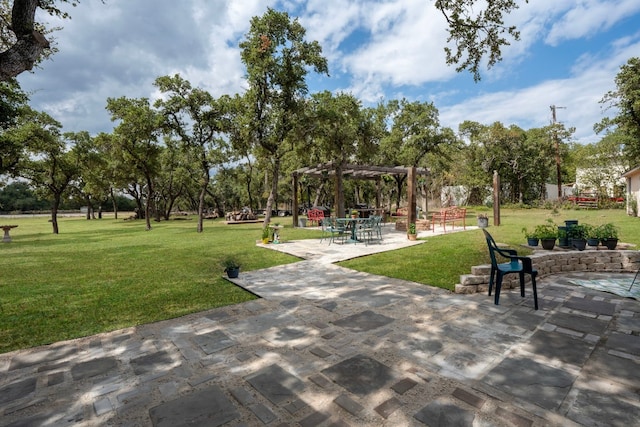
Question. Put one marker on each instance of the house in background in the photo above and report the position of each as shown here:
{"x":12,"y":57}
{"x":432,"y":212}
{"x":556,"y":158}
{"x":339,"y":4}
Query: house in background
{"x":632,"y":177}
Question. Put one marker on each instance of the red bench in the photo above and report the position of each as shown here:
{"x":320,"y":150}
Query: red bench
{"x":315,"y":215}
{"x":449,"y":215}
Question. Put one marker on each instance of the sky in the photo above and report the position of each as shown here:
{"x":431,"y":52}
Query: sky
{"x":568,"y":56}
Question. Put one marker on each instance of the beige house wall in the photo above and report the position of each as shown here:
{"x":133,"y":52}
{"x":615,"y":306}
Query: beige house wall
{"x":633,"y":191}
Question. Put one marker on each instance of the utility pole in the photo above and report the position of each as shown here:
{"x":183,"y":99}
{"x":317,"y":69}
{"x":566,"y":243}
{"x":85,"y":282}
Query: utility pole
{"x":557,"y":143}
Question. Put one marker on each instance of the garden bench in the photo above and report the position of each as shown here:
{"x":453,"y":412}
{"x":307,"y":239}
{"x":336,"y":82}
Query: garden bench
{"x":315,"y":215}
{"x":449,"y":215}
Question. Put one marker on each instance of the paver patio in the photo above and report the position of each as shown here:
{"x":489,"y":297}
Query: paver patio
{"x":327,"y":346}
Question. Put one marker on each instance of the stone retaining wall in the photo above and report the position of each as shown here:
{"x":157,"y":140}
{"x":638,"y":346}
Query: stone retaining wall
{"x":553,"y":262}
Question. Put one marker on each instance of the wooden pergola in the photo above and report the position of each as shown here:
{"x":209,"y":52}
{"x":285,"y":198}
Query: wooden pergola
{"x":329,"y":171}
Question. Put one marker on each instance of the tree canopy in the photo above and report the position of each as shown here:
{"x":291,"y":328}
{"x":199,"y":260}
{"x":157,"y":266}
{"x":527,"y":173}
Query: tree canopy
{"x":626,"y":100}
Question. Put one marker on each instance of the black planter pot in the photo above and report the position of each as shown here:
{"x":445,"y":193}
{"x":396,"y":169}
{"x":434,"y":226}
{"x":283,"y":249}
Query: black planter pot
{"x":593,"y":242}
{"x":548,"y":244}
{"x":579,"y":244}
{"x":610,"y":243}
{"x":532,"y":242}
{"x":563,"y":241}
{"x":232,"y":273}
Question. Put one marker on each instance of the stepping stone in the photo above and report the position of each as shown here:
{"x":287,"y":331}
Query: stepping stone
{"x":285,"y":335}
{"x":584,"y":304}
{"x":361,"y":375}
{"x":614,"y":368}
{"x":586,"y":409}
{"x":556,"y":346}
{"x":365,"y":321}
{"x":31,"y":359}
{"x":93,"y":368}
{"x":531,"y":381}
{"x":209,"y":407}
{"x":152,"y":362}
{"x":372,"y":299}
{"x":276,"y":384}
{"x":213,"y":341}
{"x":579,"y":323}
{"x":441,"y":414}
{"x":17,"y":390}
{"x":623,"y":342}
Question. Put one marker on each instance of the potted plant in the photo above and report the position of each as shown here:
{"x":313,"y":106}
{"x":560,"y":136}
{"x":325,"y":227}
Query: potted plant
{"x":231,"y":267}
{"x":608,"y":235}
{"x":266,"y":235}
{"x":578,"y":236}
{"x":483,"y":220}
{"x":411,"y":231}
{"x":532,"y":238}
{"x":547,"y":233}
{"x":592,"y":235}
{"x":563,"y":240}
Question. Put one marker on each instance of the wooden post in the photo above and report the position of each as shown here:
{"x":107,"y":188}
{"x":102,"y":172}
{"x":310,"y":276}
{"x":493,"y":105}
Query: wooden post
{"x":411,"y":195}
{"x":295,"y":199}
{"x":496,"y":198}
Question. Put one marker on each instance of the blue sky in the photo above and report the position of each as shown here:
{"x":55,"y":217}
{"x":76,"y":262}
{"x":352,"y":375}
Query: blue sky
{"x":569,"y":55}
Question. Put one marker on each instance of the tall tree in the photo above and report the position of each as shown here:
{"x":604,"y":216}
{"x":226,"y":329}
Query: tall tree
{"x":415,"y":132}
{"x":50,"y":165}
{"x":277,"y":58}
{"x":90,"y":186}
{"x":336,"y":125}
{"x":626,"y":100}
{"x":135,"y":140}
{"x":199,"y":121}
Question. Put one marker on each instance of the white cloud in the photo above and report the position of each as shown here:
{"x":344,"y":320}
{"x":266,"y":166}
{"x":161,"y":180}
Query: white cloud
{"x":588,"y":17}
{"x":527,"y":107}
{"x":405,"y":48}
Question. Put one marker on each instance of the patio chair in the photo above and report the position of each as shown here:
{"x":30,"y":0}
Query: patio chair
{"x":331,"y":230}
{"x":517,"y":264}
{"x":366,"y":230}
{"x":376,"y":223}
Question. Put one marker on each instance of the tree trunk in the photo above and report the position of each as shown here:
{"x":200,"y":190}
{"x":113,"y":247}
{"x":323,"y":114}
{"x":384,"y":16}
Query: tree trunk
{"x":272,"y":193}
{"x":147,"y":205}
{"x":316,"y":201}
{"x":203,"y":192}
{"x":115,"y":203}
{"x":399,"y":182}
{"x":54,"y":213}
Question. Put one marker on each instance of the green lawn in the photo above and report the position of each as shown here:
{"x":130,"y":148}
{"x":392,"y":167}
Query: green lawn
{"x":442,"y":260}
{"x":102,"y":275}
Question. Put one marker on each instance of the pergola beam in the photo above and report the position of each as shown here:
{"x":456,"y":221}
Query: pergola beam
{"x":327,"y":170}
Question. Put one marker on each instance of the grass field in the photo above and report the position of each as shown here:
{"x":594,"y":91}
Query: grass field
{"x":102,"y":275}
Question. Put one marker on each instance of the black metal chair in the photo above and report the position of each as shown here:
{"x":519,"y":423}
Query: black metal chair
{"x":517,"y":264}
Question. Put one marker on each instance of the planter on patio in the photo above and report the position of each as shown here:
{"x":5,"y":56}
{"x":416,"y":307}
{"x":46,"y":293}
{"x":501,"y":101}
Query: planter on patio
{"x":548,"y":244}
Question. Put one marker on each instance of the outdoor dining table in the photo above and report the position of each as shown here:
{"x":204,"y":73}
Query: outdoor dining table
{"x":351,"y":224}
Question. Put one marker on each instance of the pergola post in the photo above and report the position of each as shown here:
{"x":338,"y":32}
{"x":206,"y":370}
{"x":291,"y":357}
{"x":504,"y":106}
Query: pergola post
{"x":295,"y":199}
{"x":411,"y":195}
